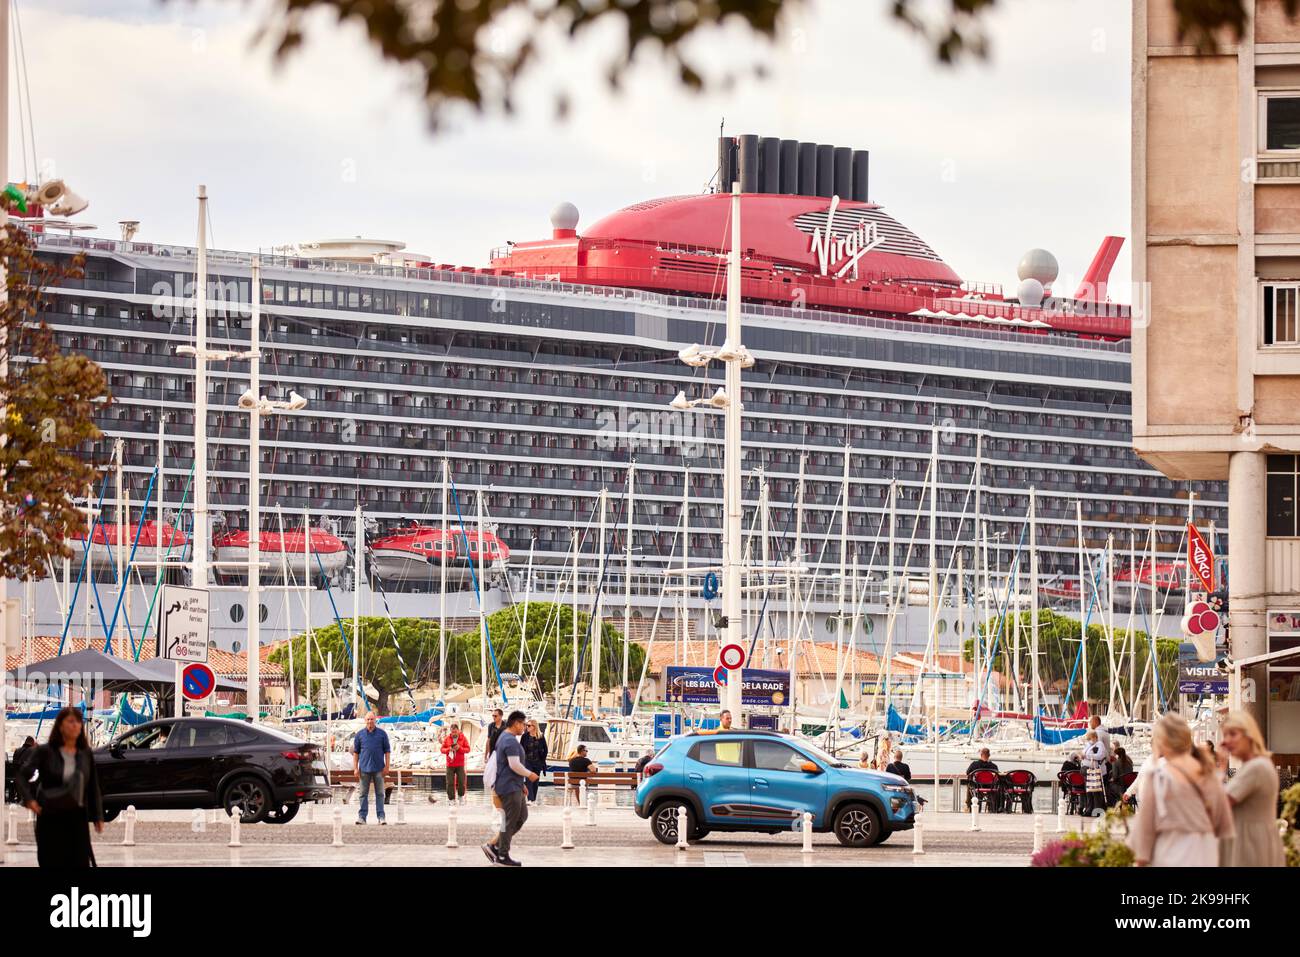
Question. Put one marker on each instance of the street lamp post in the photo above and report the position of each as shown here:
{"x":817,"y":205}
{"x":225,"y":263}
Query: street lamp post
{"x":734,"y":357}
{"x":257,"y":405}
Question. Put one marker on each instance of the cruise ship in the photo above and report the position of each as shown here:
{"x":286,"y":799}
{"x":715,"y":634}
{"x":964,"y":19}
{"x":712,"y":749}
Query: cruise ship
{"x":542,"y":377}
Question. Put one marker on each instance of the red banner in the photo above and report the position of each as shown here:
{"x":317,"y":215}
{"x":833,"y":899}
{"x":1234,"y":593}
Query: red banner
{"x":1199,"y":558}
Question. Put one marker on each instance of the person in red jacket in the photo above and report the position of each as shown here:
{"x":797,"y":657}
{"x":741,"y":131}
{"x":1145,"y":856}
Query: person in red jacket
{"x":455,"y":746}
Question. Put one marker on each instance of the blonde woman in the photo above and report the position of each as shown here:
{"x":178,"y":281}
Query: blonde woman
{"x":1183,"y":811}
{"x":1252,"y":792}
{"x":884,"y":753}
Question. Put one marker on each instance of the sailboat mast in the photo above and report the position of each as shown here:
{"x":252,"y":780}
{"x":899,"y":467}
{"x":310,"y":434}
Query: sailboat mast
{"x":732,"y":460}
{"x":442,"y":590}
{"x":627,"y":564}
{"x":1033,"y":603}
{"x":596,"y":600}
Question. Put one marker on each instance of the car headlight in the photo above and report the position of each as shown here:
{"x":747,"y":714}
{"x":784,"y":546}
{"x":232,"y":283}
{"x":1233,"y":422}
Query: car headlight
{"x":898,"y":789}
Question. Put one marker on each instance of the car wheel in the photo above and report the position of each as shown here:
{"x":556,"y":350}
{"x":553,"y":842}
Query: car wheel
{"x":857,"y":825}
{"x":282,"y":814}
{"x":111,"y":813}
{"x":250,"y":797}
{"x":663,"y":823}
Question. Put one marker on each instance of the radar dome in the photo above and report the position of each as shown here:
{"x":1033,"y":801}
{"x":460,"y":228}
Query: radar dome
{"x":1030,"y":292}
{"x":564,"y":216}
{"x":1038,"y":264}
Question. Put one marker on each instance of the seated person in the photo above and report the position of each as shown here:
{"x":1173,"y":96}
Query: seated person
{"x":1071,"y":764}
{"x":897,"y":766}
{"x":981,"y":764}
{"x":579,"y":764}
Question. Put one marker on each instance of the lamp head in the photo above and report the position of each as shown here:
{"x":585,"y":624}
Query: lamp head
{"x":296,"y":402}
{"x":248,"y":401}
{"x":680,"y":403}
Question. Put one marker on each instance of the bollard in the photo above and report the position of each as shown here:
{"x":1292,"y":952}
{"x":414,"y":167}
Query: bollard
{"x":582,"y":793}
{"x":451,"y":827}
{"x":975,"y":814}
{"x":311,"y":812}
{"x":1038,"y":833}
{"x":338,"y":828}
{"x":11,"y":836}
{"x":401,"y":807}
{"x":807,"y":833}
{"x":234,"y":829}
{"x":918,"y":843}
{"x":681,"y":829}
{"x":1060,"y":813}
{"x":591,"y":809}
{"x":566,"y":828}
{"x":128,"y":837}
{"x":198,"y":823}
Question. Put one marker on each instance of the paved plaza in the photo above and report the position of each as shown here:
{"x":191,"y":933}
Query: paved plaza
{"x":617,"y":839}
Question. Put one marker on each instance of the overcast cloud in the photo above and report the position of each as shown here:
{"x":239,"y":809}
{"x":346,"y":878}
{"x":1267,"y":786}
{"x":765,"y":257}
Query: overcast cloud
{"x":136,"y":102}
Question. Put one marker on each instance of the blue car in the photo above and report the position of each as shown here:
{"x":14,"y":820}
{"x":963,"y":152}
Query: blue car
{"x":763,"y":781}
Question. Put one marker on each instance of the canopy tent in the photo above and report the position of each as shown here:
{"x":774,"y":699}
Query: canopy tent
{"x":105,"y":672}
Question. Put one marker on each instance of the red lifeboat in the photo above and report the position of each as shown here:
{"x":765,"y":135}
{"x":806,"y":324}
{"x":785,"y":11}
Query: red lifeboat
{"x":413,"y":552}
{"x":104,"y":542}
{"x":274,"y":546}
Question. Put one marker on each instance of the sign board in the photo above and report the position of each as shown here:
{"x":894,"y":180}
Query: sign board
{"x":759,"y":688}
{"x":731,"y":657}
{"x":197,"y":681}
{"x":183,"y":628}
{"x":1200,"y":559}
{"x":667,"y":724}
{"x":1199,"y":677}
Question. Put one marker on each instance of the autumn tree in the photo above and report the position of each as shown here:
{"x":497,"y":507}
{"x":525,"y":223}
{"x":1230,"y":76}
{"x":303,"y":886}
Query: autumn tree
{"x":49,"y":400}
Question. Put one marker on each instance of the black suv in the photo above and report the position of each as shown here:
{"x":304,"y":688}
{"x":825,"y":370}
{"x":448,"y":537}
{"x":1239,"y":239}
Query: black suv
{"x":179,"y":763}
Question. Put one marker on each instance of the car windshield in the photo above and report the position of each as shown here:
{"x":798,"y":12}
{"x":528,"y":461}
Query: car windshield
{"x":821,"y":755}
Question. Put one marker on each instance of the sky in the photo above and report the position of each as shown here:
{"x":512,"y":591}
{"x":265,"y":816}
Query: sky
{"x":136,"y":102}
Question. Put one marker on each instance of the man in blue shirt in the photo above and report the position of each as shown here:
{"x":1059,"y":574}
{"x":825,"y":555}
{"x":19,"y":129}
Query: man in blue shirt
{"x":509,"y":788}
{"x":371,"y":755}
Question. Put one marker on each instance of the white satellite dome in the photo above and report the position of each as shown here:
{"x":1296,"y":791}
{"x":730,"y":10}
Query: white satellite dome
{"x":1030,"y":292}
{"x":564,"y":216}
{"x":1038,"y":264}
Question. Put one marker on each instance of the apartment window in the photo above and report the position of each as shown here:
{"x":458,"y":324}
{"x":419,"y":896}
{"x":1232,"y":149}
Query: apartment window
{"x":1281,"y":325}
{"x":1279,"y":121}
{"x":1281,"y":496}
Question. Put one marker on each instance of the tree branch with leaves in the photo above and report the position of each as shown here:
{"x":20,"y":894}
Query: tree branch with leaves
{"x":49,"y":400}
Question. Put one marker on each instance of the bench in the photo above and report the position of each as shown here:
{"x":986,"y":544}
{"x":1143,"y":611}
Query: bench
{"x":345,"y":783}
{"x":571,"y":781}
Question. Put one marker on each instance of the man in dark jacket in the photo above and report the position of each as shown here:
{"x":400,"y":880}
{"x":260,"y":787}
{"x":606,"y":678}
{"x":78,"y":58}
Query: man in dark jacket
{"x":981,"y":764}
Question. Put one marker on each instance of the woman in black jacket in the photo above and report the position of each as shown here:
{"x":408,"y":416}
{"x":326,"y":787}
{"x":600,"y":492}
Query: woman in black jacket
{"x":535,"y":749}
{"x":65,"y":795}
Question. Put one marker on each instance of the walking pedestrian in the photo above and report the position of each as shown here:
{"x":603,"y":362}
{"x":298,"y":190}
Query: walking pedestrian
{"x":1252,"y":792}
{"x":66,"y":796}
{"x":1183,"y":812}
{"x":455,"y":746}
{"x":511,"y":773}
{"x":535,"y":750}
{"x":494,"y":731}
{"x":371,"y":756}
{"x":724,"y":721}
{"x":897,"y":766}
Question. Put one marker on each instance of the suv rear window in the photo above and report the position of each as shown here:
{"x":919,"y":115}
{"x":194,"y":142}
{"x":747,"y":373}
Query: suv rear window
{"x":729,"y":754}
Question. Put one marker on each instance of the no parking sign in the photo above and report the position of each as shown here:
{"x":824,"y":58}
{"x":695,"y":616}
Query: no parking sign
{"x":197,"y":681}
